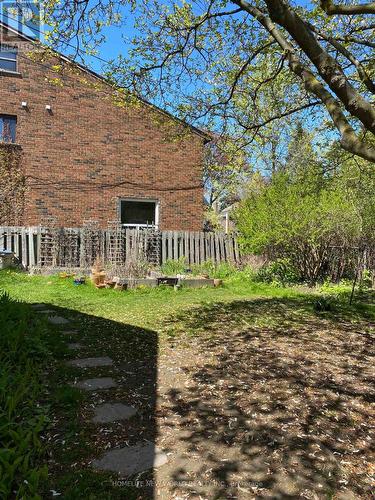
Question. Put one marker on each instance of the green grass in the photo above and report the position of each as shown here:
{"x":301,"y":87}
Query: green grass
{"x":145,"y":307}
{"x":23,"y":416}
{"x":134,"y":324}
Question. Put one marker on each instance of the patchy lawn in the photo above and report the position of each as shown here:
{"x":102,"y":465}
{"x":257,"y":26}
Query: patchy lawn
{"x":249,"y":391}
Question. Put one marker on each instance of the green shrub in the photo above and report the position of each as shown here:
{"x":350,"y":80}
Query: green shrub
{"x":342,"y":288}
{"x":311,"y":218}
{"x":324,"y":303}
{"x":22,"y":354}
{"x":172,"y":267}
{"x":366,"y":280}
{"x":221,"y":271}
{"x":279,"y":272}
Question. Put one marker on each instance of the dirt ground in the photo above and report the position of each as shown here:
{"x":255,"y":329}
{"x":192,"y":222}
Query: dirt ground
{"x":254,"y":408}
{"x":260,"y":398}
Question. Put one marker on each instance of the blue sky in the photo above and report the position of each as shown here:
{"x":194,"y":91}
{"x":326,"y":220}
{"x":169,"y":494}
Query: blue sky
{"x":115,"y":43}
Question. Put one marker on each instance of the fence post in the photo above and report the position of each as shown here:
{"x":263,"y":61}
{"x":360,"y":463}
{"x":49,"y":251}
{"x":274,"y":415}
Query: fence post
{"x":31,"y":247}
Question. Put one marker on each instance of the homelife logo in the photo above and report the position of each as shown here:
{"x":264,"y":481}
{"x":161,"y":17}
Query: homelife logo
{"x":21,"y":17}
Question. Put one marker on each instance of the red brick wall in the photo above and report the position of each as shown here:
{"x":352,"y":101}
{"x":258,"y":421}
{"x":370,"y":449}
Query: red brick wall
{"x":89,"y":152}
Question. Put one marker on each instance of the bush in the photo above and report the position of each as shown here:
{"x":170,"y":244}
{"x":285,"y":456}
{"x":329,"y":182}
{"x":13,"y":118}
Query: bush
{"x":280,"y":272}
{"x":308,"y":218}
{"x":172,"y":267}
{"x":22,"y":354}
{"x":324,"y":303}
{"x":220,"y":271}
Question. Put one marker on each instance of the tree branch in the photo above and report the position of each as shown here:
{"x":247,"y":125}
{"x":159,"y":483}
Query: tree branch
{"x":330,"y":71}
{"x":331,"y":8}
{"x":345,"y":52}
{"x":281,"y":115}
{"x":349,"y":140}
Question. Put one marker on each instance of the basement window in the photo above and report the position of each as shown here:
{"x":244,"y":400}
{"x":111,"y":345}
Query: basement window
{"x":139,"y":213}
{"x":8,"y":59}
{"x":8,"y":128}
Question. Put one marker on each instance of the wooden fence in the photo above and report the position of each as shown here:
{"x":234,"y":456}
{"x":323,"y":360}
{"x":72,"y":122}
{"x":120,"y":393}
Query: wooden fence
{"x":77,"y":247}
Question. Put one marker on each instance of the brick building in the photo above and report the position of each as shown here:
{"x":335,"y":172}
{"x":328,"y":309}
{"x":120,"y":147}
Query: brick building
{"x":90,"y":152}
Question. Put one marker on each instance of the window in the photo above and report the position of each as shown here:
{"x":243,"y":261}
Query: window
{"x":139,"y":213}
{"x":8,"y":59}
{"x":8,"y":128}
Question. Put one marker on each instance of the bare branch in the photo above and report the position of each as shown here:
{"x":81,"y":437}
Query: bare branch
{"x":279,"y":116}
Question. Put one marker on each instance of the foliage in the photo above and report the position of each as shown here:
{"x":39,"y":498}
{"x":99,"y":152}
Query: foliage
{"x":12,"y":185}
{"x":220,"y":271}
{"x":315,"y":219}
{"x":324,"y":304}
{"x":225,"y":169}
{"x":172,"y":267}
{"x":212,"y":220}
{"x":279,"y":272}
{"x":22,"y":418}
{"x":180,"y":266}
{"x":216,"y":63}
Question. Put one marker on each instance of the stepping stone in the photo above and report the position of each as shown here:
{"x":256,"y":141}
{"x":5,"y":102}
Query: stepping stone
{"x":70,"y":332}
{"x":91,"y":362}
{"x":132,"y":460}
{"x":58,"y":320}
{"x":38,"y":306}
{"x":75,"y":346}
{"x":45,"y":311}
{"x":95,"y":384}
{"x":108,"y":412}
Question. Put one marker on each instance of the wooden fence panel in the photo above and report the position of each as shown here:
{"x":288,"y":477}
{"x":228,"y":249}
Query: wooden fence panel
{"x":38,"y":246}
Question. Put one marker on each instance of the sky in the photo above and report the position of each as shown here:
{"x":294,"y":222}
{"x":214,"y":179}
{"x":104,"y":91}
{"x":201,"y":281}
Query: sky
{"x":115,"y":43}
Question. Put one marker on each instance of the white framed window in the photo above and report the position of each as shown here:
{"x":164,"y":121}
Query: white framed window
{"x":8,"y":59}
{"x":138,"y":213}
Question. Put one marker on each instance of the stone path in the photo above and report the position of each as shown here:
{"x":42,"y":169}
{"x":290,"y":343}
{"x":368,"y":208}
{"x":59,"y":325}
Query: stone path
{"x":96,"y":384}
{"x":111,"y":412}
{"x":126,"y":461}
{"x":57,"y":320}
{"x":131,"y":460}
{"x":91,"y":362}
{"x":75,"y":346}
{"x":70,"y":332}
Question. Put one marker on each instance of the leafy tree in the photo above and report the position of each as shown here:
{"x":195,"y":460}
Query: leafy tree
{"x":210,"y":60}
{"x":295,"y":220}
{"x":225,"y":169}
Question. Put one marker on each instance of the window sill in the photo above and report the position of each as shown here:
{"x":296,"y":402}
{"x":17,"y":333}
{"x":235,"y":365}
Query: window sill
{"x":15,"y":74}
{"x":139,"y":226}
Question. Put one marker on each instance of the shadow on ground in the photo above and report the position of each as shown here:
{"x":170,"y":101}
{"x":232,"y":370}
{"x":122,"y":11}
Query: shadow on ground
{"x":266,"y":400}
{"x":73,"y":441}
{"x":276,"y":402}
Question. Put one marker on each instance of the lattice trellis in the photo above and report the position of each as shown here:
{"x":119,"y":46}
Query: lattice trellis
{"x":115,"y":244}
{"x":92,"y":243}
{"x":48,"y":243}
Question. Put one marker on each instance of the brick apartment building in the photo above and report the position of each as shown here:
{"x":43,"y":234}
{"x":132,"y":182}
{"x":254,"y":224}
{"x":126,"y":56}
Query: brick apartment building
{"x":88,"y":154}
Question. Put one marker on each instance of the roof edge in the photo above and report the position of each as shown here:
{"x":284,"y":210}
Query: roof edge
{"x":84,"y":68}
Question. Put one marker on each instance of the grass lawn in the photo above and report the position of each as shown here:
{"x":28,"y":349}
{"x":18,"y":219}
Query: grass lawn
{"x":145,"y":307}
{"x":251,"y":392}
